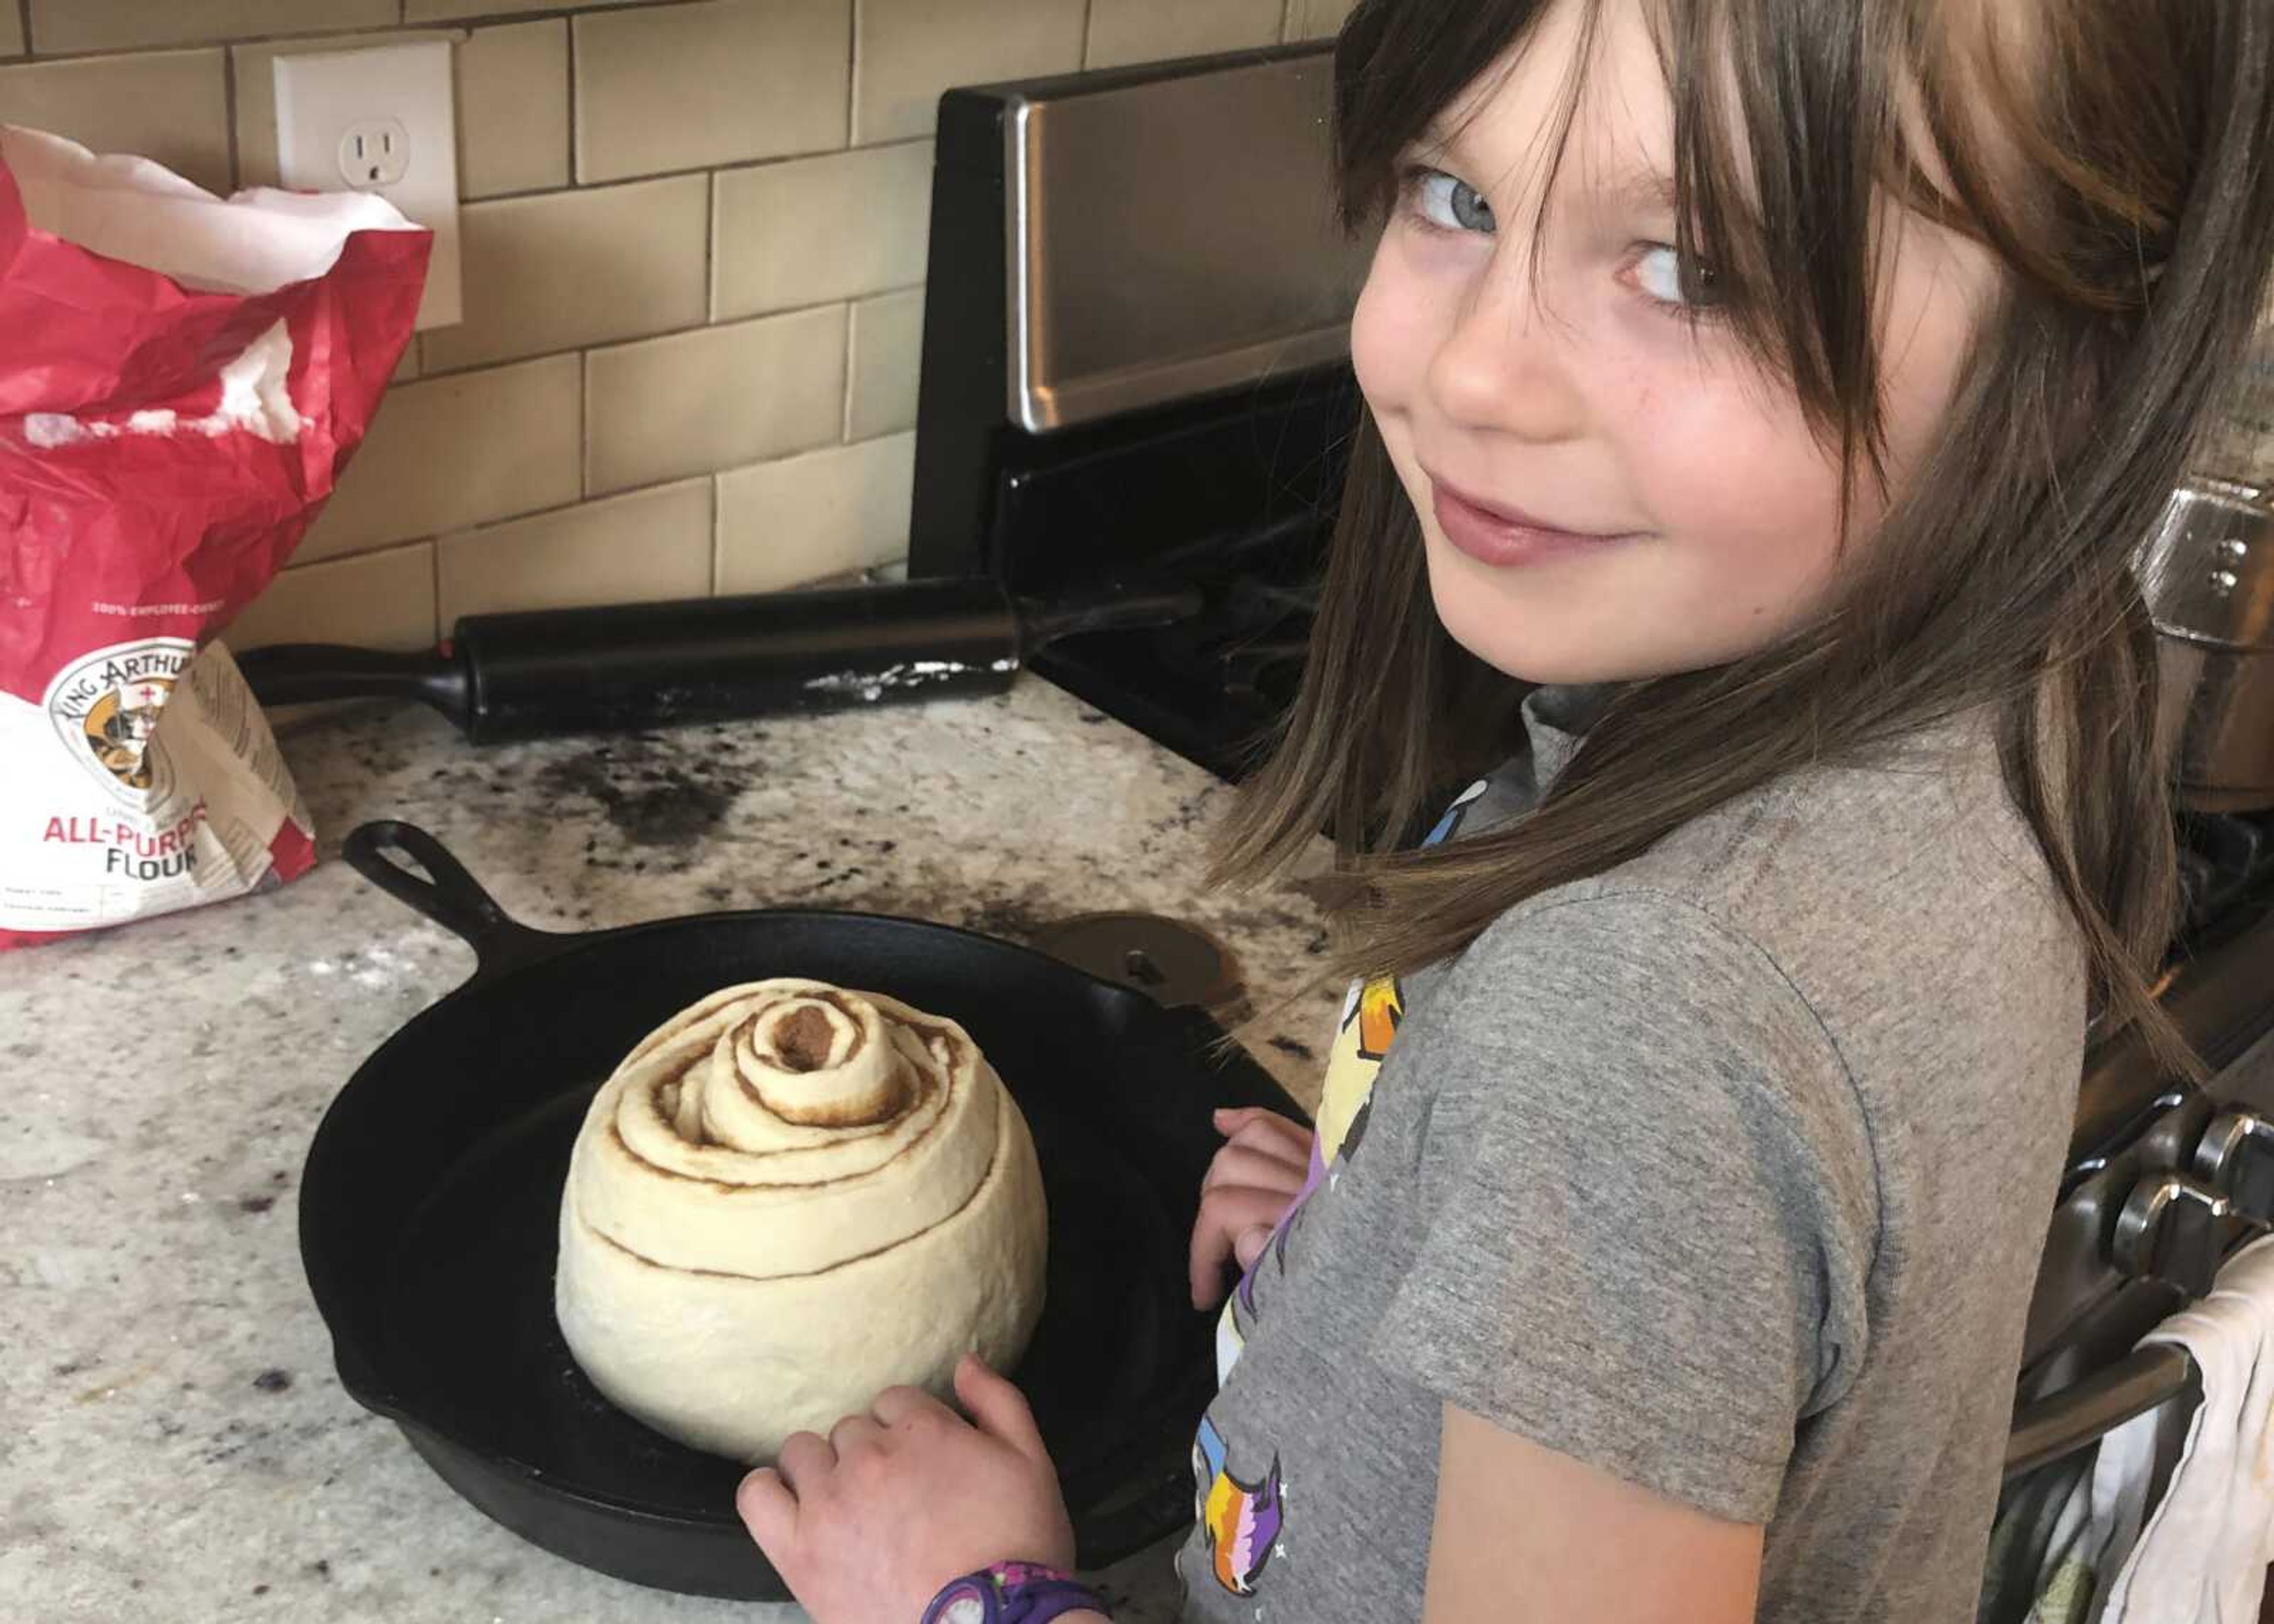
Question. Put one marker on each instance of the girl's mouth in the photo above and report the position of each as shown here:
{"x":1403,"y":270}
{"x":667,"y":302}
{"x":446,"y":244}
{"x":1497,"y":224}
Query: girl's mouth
{"x":1503,"y":538}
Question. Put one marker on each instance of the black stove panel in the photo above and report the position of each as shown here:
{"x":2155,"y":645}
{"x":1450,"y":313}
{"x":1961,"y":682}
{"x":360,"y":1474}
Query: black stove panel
{"x":2226,"y":872}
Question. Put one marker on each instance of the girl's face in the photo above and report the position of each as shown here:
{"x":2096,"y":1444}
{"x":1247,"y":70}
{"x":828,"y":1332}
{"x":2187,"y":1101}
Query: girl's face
{"x":1605,"y":491}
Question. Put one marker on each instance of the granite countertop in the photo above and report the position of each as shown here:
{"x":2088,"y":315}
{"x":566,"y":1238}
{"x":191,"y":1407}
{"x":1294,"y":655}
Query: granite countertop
{"x":173,"y":1443}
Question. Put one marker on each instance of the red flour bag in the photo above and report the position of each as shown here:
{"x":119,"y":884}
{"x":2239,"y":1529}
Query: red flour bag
{"x":181,"y":379}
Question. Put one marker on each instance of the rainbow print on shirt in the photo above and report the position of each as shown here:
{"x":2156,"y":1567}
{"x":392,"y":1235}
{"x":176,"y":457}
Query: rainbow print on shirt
{"x":1241,"y":1519}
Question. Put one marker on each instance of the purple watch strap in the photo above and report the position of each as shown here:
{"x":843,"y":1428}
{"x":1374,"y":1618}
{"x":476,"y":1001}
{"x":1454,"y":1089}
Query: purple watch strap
{"x":1011,"y":1593}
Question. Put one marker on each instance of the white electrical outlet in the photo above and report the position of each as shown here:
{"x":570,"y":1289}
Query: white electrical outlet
{"x":375,"y":154}
{"x":382,"y":120}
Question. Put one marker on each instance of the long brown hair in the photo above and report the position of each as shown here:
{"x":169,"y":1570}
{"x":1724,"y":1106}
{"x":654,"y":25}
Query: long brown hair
{"x":2119,"y":162}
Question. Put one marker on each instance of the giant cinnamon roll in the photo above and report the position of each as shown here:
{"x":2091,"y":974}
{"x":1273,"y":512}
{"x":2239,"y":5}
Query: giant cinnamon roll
{"x":786,"y":1198}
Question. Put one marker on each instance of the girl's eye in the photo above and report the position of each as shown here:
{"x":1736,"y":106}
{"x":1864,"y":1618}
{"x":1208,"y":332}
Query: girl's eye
{"x":1450,"y":204}
{"x":1662,"y":273}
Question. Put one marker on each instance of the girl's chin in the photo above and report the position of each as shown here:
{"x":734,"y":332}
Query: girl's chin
{"x":1542,"y":660}
{"x":1556,"y":627}
{"x":1534,"y":641}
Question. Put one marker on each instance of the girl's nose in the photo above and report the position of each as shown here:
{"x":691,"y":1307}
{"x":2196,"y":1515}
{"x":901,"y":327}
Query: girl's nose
{"x":1505,"y":363}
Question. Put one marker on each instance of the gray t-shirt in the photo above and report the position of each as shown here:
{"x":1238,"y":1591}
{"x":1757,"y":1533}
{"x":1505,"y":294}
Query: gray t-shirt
{"x":1726,"y":1171}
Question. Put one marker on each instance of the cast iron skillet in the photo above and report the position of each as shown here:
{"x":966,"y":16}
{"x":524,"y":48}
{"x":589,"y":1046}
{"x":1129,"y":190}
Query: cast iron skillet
{"x":429,"y":1201}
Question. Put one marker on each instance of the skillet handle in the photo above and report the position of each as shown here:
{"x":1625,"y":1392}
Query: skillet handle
{"x":445,"y":892}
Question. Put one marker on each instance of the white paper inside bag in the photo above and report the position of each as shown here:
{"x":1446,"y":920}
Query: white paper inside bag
{"x":142,"y":213}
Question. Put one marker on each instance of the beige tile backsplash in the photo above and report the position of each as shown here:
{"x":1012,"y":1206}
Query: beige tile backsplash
{"x":513,"y":109}
{"x":1125,"y":30}
{"x":694,"y":235}
{"x":441,"y":11}
{"x":718,"y":81}
{"x":815,"y":228}
{"x":563,"y":269}
{"x":910,"y":50}
{"x":447,"y":453}
{"x":1315,"y":19}
{"x":887,"y":343}
{"x":806,"y":516}
{"x":386,"y":599}
{"x":645,"y":546}
{"x":716,"y":398}
{"x":61,"y":26}
{"x":172,"y":106}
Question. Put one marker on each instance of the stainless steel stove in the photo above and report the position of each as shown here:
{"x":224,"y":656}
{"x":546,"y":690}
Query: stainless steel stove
{"x":1134,"y":368}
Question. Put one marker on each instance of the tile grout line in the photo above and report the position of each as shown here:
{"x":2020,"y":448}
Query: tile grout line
{"x":845,"y":435}
{"x":718,"y":521}
{"x":715,"y":477}
{"x":852,"y":76}
{"x":225,"y":40}
{"x":358,"y":556}
{"x":731,"y":166}
{"x":576,"y":104}
{"x":584,"y":351}
{"x":391,"y":549}
{"x":589,"y":346}
{"x":590,"y":495}
{"x":712,"y":202}
{"x":584,"y":423}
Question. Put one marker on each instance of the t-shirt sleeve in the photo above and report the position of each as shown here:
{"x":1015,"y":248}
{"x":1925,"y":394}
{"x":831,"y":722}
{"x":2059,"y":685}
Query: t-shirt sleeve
{"x":1648,"y":1201}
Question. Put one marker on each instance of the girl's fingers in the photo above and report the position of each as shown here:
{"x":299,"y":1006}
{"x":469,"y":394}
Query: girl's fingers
{"x":768,"y":1508}
{"x":806,"y":1458}
{"x":1267,"y":1131}
{"x":1239,"y":1164}
{"x":1233,"y":1119}
{"x":896,"y":1406}
{"x":1248,"y":1245}
{"x":1282,"y":1141}
{"x":853,"y":1433}
{"x":998,"y":1408}
{"x":1226,"y":1211}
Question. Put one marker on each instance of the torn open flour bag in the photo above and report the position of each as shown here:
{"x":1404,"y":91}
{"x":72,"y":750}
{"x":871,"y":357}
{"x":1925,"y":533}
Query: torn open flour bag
{"x":181,"y":379}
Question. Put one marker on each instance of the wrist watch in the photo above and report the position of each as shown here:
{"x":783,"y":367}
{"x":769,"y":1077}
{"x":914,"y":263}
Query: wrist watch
{"x":1011,"y":1593}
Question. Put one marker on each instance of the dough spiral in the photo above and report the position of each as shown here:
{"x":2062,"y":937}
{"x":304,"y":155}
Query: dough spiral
{"x":786,"y":1198}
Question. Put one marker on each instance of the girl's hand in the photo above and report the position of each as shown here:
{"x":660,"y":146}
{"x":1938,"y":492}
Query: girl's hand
{"x":868,"y":1526}
{"x":1253,"y":1180}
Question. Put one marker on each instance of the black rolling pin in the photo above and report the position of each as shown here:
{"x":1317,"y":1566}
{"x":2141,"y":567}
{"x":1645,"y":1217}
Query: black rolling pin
{"x":633,"y":665}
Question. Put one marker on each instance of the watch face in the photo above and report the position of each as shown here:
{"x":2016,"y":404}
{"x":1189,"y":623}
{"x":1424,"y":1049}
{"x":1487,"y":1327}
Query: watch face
{"x":966,"y":1604}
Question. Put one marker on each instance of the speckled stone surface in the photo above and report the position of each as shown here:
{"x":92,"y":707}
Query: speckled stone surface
{"x":173,"y":1443}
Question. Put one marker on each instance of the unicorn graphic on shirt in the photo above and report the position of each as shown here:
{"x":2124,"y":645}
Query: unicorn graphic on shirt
{"x":1369,"y":1023}
{"x":1241,"y":1520}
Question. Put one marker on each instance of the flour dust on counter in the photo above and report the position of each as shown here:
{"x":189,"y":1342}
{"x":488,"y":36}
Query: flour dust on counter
{"x":657,"y":790}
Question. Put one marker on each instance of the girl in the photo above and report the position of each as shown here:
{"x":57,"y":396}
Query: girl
{"x":1779,"y":388}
